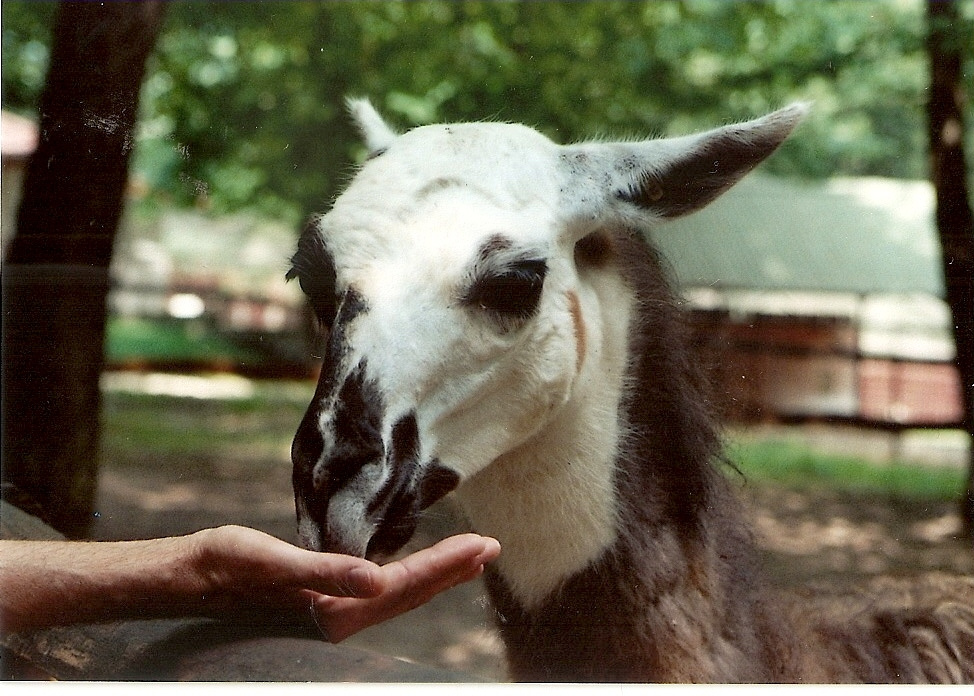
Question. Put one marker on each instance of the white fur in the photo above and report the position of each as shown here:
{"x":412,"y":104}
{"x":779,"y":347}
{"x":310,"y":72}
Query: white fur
{"x":551,"y":501}
{"x":376,"y":133}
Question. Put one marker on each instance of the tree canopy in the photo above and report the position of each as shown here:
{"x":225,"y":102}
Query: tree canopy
{"x":242,"y":106}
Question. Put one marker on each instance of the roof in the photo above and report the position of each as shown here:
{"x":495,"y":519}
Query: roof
{"x":865,"y":236}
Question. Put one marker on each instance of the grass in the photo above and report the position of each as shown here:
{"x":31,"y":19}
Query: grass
{"x":139,"y":428}
{"x":795,"y":465}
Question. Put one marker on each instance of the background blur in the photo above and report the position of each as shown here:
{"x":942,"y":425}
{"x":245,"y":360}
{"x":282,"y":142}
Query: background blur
{"x":815,"y":286}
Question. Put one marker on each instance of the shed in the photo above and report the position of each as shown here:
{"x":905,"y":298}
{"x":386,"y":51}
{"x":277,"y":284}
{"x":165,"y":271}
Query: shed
{"x":822,"y":300}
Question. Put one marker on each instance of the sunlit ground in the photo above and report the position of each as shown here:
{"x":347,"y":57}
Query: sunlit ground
{"x":225,"y":387}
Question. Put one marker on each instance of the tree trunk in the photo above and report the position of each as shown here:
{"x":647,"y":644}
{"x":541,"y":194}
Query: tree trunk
{"x":955,"y":220}
{"x":55,"y":278}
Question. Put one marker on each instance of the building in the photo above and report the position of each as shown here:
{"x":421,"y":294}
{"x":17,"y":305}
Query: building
{"x":821,"y":301}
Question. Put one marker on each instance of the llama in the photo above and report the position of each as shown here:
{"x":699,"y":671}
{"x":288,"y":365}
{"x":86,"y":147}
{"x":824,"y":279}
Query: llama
{"x":500,"y":330}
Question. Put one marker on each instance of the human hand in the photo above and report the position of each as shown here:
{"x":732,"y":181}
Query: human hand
{"x":240,"y":568}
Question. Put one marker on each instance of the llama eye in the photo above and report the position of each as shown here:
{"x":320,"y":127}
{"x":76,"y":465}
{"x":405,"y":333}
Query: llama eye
{"x":321,"y":294}
{"x":318,"y":284}
{"x":510,"y":295}
{"x":314,"y":268}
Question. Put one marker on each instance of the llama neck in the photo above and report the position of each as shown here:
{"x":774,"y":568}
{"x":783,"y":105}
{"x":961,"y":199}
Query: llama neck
{"x":599,"y":580}
{"x":557,"y":512}
{"x":624,"y":557}
{"x":552,"y":501}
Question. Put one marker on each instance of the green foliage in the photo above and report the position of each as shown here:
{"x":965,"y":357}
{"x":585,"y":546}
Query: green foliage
{"x":242,"y":106}
{"x":26,"y":31}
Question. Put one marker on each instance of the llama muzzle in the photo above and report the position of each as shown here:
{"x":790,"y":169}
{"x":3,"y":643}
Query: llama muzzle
{"x":356,"y":492}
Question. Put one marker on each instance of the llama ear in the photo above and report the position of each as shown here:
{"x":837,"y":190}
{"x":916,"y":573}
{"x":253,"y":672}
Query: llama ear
{"x":671,"y":177}
{"x":375,"y":131}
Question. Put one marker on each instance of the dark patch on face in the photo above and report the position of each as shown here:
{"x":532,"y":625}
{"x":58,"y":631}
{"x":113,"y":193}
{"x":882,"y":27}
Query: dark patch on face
{"x":306,"y":450}
{"x":396,"y":504}
{"x":494,"y":244}
{"x":357,"y":428}
{"x":403,"y":460}
{"x":357,"y":420}
{"x":405,"y":439}
{"x":437,"y":482}
{"x":351,"y":306}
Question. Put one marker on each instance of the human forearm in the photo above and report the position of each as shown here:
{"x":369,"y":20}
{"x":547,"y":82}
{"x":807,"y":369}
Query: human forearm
{"x":47,"y":583}
{"x":224,"y":571}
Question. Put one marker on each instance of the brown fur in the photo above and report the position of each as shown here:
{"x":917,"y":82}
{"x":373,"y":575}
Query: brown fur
{"x":578,"y":325}
{"x":679,"y":597}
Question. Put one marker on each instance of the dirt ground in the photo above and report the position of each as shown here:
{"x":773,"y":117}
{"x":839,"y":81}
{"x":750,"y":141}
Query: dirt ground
{"x":822,"y":538}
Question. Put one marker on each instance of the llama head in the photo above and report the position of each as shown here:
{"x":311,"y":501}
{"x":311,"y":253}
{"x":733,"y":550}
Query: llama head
{"x":458,"y":278}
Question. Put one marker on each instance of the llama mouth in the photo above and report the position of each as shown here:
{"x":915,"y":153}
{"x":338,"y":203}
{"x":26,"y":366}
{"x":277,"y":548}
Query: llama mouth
{"x":379,"y":529}
{"x":399,"y":523}
{"x":390,"y":538}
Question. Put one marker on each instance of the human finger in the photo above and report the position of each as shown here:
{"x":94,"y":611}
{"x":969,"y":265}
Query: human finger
{"x":410,"y":582}
{"x":240,"y":556}
{"x":438,"y":564}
